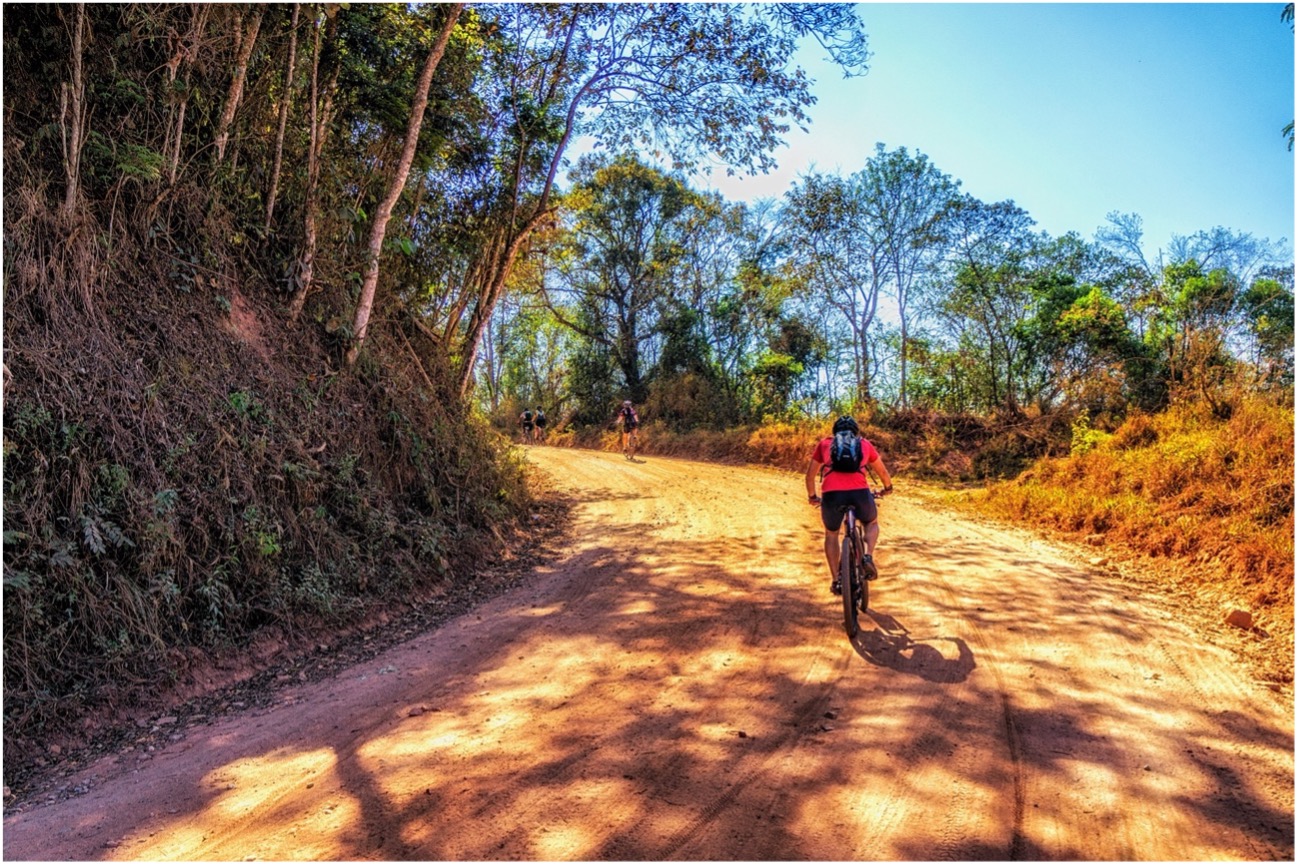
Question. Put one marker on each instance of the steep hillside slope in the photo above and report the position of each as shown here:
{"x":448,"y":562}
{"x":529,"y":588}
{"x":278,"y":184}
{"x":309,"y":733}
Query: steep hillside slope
{"x":183,"y":469}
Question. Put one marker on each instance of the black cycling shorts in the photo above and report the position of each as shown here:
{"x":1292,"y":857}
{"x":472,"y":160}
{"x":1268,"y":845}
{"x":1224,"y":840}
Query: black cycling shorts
{"x":832,"y":506}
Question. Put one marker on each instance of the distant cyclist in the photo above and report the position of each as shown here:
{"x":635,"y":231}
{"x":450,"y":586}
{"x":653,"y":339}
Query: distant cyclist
{"x":526,"y":422}
{"x":629,"y":420}
{"x":539,"y":420}
{"x":840,"y":462}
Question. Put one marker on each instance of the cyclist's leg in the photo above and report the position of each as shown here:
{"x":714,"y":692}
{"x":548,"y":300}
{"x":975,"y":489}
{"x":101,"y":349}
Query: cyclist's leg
{"x":867,"y":514}
{"x":831,"y":515}
{"x":869,"y":522}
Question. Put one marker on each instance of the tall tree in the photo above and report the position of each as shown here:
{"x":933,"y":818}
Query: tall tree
{"x":840,"y":253}
{"x":244,"y":43}
{"x":1192,"y":327}
{"x":285,"y":101}
{"x":320,"y":113}
{"x":397,"y":183}
{"x":1268,"y":311}
{"x":184,"y":54}
{"x":990,"y":296}
{"x":73,"y":113}
{"x":631,"y":229}
{"x":690,"y":80}
{"x":906,"y":197}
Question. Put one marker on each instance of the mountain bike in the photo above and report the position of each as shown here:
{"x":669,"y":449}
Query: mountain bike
{"x":855,"y":588}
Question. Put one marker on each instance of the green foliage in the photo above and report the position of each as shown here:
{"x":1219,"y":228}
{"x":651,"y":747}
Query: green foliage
{"x":247,"y":406}
{"x":1085,"y":438}
{"x":695,"y":79}
{"x":1268,"y":311}
{"x":593,"y":384}
{"x":624,"y":253}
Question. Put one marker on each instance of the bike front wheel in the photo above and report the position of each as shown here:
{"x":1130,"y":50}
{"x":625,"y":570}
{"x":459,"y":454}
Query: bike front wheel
{"x":849,"y":580}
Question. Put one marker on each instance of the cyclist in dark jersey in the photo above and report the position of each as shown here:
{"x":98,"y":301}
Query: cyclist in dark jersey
{"x":838,"y":488}
{"x":628,"y":419}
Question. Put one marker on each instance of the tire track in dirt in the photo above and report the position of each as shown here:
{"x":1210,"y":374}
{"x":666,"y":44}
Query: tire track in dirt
{"x":948,"y":847}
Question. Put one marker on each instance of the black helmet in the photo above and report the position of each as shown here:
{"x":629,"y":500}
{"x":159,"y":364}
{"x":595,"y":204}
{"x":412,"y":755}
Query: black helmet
{"x":846,"y":423}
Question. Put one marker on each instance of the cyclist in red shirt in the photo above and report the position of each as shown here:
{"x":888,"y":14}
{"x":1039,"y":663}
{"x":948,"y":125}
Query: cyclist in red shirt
{"x":839,"y":488}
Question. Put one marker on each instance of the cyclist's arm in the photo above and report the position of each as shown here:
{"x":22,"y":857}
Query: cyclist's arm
{"x":813,"y":471}
{"x":879,"y":469}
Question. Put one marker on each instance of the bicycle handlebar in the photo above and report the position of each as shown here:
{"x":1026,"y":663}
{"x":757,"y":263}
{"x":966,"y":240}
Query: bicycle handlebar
{"x":878,"y":493}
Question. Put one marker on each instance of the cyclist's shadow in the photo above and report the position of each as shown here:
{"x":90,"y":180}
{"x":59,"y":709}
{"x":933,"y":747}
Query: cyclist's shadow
{"x":890,"y":646}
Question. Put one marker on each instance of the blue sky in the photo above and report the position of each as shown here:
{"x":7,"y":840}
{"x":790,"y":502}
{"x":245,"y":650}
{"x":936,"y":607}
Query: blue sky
{"x":1170,"y":111}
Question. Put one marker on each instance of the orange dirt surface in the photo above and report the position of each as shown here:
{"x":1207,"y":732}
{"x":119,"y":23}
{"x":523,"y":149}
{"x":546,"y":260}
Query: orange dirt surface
{"x":677,"y":685}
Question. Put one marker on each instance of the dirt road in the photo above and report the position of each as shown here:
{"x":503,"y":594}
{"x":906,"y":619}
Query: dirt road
{"x":677,"y":685}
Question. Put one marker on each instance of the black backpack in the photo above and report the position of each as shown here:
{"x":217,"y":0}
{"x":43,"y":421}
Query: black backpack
{"x":527,"y":416}
{"x":845,"y":452}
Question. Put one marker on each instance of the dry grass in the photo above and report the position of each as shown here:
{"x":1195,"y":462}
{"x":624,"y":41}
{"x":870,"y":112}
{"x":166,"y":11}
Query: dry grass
{"x":1212,"y":497}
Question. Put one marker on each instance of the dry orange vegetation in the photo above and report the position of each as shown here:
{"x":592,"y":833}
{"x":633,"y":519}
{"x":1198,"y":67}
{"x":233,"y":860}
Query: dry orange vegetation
{"x":1215,"y":496}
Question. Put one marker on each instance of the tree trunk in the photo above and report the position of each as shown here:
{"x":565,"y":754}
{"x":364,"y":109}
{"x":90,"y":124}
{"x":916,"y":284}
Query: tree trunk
{"x":73,"y":113}
{"x":285,"y":99}
{"x":903,"y":292}
{"x":487,"y":302}
{"x":185,"y":54}
{"x":362,"y":320}
{"x":245,"y":44}
{"x":315,"y":152}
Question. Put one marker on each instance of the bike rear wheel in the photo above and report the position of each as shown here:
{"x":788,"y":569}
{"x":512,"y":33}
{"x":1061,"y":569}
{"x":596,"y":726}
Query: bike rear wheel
{"x":849,"y":579}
